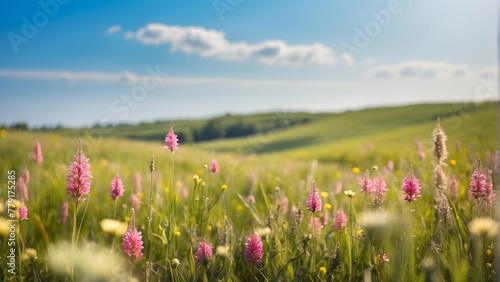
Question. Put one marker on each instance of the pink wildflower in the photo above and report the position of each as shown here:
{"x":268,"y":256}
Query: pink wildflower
{"x":381,"y":259}
{"x":366,"y":183}
{"x":26,"y":176}
{"x":316,"y":225}
{"x":23,"y":212}
{"x":137,"y":180}
{"x":171,"y":140}
{"x":284,"y":205}
{"x":314,"y":202}
{"x":340,"y":220}
{"x":253,"y":252}
{"x":454,"y":186}
{"x":338,"y":188}
{"x":204,"y":253}
{"x":251,"y":199}
{"x":478,"y":182}
{"x":324,"y":217}
{"x":379,"y":189}
{"x":411,"y":187}
{"x":37,"y":152}
{"x":22,"y":189}
{"x":63,"y":213}
{"x":490,"y":192}
{"x":214,"y":166}
{"x":132,"y":242}
{"x":390,"y":165}
{"x":116,"y":188}
{"x":185,"y":193}
{"x":79,"y":178}
{"x":136,"y":202}
{"x":421,"y":151}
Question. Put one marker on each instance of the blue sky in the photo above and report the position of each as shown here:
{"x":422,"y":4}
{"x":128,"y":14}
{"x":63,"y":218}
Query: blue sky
{"x":88,"y":61}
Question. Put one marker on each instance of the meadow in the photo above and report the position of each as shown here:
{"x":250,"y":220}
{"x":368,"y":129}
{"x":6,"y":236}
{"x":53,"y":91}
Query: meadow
{"x":257,"y":216}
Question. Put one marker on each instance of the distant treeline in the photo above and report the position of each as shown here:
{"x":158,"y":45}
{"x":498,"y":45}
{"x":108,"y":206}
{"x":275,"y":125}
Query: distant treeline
{"x":213,"y":129}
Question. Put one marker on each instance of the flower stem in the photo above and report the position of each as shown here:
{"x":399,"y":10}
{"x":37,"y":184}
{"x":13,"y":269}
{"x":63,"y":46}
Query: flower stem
{"x":73,"y":241}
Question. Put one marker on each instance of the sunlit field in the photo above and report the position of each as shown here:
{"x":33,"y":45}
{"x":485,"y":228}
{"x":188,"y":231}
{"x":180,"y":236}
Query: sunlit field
{"x":246,"y":209}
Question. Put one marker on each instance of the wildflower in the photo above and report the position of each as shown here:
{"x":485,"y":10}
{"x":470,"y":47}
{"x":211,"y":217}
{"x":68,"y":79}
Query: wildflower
{"x":381,"y":259}
{"x":453,"y":162}
{"x":263,"y":232}
{"x":204,"y":253}
{"x":314,"y":202}
{"x":171,"y":140}
{"x":116,"y":188}
{"x":222,"y":251}
{"x":411,"y":187}
{"x":324,"y":195}
{"x":454,"y":186}
{"x":322,"y":270}
{"x":421,"y":151}
{"x":214,"y":166}
{"x":366,"y":183}
{"x":37,"y":152}
{"x":349,"y":193}
{"x":490,"y":192}
{"x":177,"y":233}
{"x":390,"y":165}
{"x":328,"y":206}
{"x":484,"y":227}
{"x":136,"y":202}
{"x":223,"y":187}
{"x":316,"y":225}
{"x":21,"y":186}
{"x":251,"y":199}
{"x":29,"y":254}
{"x":185,"y":193}
{"x":379,"y":189}
{"x":338,"y":188}
{"x":324,"y":218}
{"x":23,"y":213}
{"x":175,"y":263}
{"x":3,"y":133}
{"x":253,"y":252}
{"x":478,"y":182}
{"x":137,"y":180}
{"x":63,"y":213}
{"x":355,"y":169}
{"x":284,"y":205}
{"x":113,"y":227}
{"x":439,"y":144}
{"x":26,"y":176}
{"x":79,"y":178}
{"x":374,"y":221}
{"x":132,"y":242}
{"x":340,"y":220}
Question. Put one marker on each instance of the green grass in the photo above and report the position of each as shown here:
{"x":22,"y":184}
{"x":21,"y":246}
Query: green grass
{"x":324,"y":150}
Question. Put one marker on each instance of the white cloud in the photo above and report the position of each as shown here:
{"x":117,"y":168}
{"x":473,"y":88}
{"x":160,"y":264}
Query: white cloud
{"x":125,"y":76}
{"x":348,"y":59}
{"x":370,"y":61}
{"x":420,"y":69}
{"x":212,"y":43}
{"x":114,"y":29}
{"x":129,"y":34}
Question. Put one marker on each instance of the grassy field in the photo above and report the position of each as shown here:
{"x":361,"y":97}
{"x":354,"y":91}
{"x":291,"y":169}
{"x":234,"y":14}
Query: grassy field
{"x":280,"y":161}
